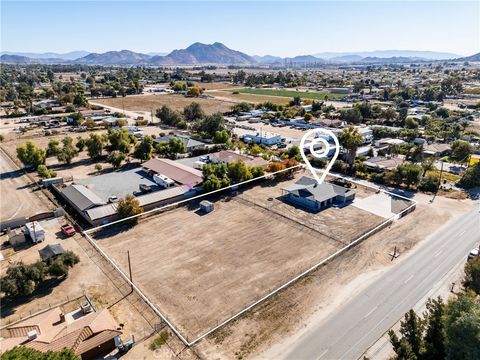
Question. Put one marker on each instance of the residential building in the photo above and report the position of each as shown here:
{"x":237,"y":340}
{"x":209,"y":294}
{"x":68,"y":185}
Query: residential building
{"x":263,"y":137}
{"x":310,"y":195}
{"x":180,"y":173}
{"x":190,"y":144}
{"x":88,"y":334}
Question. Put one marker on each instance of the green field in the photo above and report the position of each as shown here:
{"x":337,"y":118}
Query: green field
{"x":290,"y":93}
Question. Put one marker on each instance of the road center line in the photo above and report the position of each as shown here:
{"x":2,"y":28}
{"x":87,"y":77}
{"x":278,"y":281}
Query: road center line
{"x":370,"y":312}
{"x":438,"y":253}
{"x":409,"y":278}
{"x":323,"y":353}
{"x":463,"y":232}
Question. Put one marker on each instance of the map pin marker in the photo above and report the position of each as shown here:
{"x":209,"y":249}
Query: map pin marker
{"x":320,"y":136}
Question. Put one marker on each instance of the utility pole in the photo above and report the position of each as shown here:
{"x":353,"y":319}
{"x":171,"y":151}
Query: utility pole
{"x":130,"y":269}
{"x":439,"y":183}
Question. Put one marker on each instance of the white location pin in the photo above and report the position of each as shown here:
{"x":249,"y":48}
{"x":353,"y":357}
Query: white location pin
{"x":320,"y":136}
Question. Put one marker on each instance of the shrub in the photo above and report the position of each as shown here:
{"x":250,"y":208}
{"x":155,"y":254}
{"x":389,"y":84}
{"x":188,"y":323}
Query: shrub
{"x":159,"y":341}
{"x":429,"y":184}
{"x":45,"y":173}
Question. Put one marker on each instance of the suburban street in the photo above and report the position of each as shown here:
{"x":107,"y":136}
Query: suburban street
{"x":360,"y":322}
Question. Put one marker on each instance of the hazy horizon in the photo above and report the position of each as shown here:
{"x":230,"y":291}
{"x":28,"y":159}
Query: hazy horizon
{"x":278,"y":28}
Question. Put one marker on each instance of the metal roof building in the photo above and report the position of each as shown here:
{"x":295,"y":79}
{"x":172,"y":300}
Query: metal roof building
{"x":181,"y":174}
{"x":81,"y":197}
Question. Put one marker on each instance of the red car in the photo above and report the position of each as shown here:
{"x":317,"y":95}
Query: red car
{"x":68,"y":230}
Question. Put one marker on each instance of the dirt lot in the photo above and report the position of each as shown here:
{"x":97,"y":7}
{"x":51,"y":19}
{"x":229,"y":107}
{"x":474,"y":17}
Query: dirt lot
{"x":206,"y":270}
{"x":176,"y":102}
{"x":17,"y":196}
{"x":316,"y":295}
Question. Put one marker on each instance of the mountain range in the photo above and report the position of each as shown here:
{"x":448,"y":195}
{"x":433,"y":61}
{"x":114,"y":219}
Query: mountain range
{"x":219,"y":54}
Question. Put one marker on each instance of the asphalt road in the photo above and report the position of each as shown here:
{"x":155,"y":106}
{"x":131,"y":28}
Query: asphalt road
{"x":355,"y":326}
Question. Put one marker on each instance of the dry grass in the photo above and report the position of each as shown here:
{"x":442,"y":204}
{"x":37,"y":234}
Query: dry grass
{"x":251,"y":98}
{"x":176,"y":102}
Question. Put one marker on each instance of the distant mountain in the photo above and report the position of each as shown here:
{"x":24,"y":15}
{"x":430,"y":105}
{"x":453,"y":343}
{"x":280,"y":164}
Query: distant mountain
{"x":429,"y":55}
{"x":15,"y":59}
{"x":475,"y":57}
{"x":394,"y":59}
{"x":267,"y":59}
{"x":161,"y":53}
{"x":304,"y":59}
{"x":346,"y":58}
{"x":123,"y":57}
{"x":199,"y":53}
{"x":72,"y":55}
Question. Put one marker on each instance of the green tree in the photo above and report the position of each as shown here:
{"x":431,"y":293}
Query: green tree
{"x":68,"y":151}
{"x":211,"y":124}
{"x":350,"y":139}
{"x":238,"y":171}
{"x":221,"y":137}
{"x":81,"y":143}
{"x":352,"y":115}
{"x":411,"y":343}
{"x":462,"y":317}
{"x":434,"y":337}
{"x":461,"y":150}
{"x":193,"y":112}
{"x":94,"y":145}
{"x":171,"y":148}
{"x":45,"y":173}
{"x":25,"y":353}
{"x":129,"y":206}
{"x":116,"y":158}
{"x":53,"y":148}
{"x":144,"y":148}
{"x":30,"y":155}
{"x":170,"y":117}
{"x":472,"y":274}
{"x":241,"y":107}
{"x":119,"y":140}
{"x":408,"y":174}
{"x":471,"y":178}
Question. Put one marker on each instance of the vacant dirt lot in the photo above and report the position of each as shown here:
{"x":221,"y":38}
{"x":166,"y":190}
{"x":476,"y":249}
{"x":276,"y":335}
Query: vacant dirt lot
{"x":17,"y":196}
{"x":251,"y":98}
{"x":176,"y":102}
{"x":202,"y":269}
{"x":317,"y":295}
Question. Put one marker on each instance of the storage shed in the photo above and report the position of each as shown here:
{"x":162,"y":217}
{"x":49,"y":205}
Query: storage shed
{"x":206,"y":206}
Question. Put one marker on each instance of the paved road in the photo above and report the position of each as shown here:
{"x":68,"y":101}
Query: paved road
{"x":351,"y":329}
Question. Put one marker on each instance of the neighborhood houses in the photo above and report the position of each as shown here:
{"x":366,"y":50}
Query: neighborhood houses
{"x":184,"y":205}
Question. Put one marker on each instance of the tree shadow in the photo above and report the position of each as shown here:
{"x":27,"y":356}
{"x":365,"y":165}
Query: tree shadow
{"x":45,"y":288}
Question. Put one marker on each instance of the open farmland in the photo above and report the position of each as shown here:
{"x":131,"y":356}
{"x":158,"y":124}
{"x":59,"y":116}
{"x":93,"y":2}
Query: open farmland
{"x":148,"y":103}
{"x":201,"y":269}
{"x":250,"y":98}
{"x":290,"y":93}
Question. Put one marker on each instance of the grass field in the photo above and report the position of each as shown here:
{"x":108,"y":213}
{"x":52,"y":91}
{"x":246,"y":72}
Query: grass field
{"x":445,"y":175}
{"x":474,"y":159}
{"x":290,"y":93}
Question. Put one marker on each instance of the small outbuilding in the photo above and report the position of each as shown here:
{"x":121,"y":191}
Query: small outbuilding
{"x":51,"y":251}
{"x":206,"y":206}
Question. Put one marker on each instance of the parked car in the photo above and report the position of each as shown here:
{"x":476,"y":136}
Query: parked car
{"x":68,"y":230}
{"x":474,"y":253}
{"x":112,"y":198}
{"x":144,"y":188}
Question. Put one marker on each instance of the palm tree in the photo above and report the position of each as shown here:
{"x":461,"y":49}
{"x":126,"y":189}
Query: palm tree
{"x":351,"y":139}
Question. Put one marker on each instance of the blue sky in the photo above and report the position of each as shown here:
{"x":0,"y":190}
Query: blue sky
{"x":263,"y":27}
